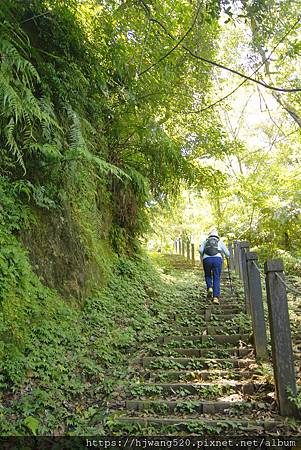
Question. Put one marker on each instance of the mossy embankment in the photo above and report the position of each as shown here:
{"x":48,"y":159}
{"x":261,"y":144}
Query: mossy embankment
{"x":59,"y":345}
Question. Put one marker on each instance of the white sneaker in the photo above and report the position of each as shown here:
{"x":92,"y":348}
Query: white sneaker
{"x":209,"y":292}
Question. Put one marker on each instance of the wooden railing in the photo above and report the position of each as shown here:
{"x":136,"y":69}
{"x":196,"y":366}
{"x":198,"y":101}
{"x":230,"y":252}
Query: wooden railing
{"x":183,"y":246}
{"x":245,"y":264}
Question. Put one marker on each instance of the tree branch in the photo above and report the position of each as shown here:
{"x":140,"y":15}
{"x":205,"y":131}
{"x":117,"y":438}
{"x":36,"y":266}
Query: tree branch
{"x":148,"y":28}
{"x":269,"y":112}
{"x":35,"y":17}
{"x":216,"y":64}
{"x":289,"y":108}
{"x":265,"y":60}
{"x":175,"y":46}
{"x":246,"y":77}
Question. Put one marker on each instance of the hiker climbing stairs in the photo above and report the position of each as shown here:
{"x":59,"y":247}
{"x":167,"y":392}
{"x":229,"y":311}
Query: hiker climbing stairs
{"x":201,"y":377}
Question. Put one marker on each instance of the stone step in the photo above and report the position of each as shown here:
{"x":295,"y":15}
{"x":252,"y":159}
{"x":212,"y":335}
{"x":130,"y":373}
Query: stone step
{"x":218,"y":338}
{"x":202,"y":329}
{"x":207,"y":314}
{"x":200,"y":426}
{"x":188,"y":406}
{"x":195,"y":338}
{"x":208,"y":389}
{"x":219,"y":317}
{"x":190,"y":332}
{"x":210,"y":352}
{"x":218,"y":329}
{"x":223,"y":305}
{"x":220,"y":310}
{"x":189,"y":375}
{"x":226,"y":338}
{"x":193,"y":363}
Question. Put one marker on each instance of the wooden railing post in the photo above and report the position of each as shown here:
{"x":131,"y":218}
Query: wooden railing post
{"x":256,"y":306}
{"x":192,"y":254}
{"x":188,"y":249}
{"x":238,"y":258}
{"x":282,"y":352}
{"x":235,"y":256}
{"x":231,"y":259}
{"x":244,"y":248}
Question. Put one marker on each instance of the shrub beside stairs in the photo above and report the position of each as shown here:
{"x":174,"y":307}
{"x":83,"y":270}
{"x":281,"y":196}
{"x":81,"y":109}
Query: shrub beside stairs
{"x":202,"y":378}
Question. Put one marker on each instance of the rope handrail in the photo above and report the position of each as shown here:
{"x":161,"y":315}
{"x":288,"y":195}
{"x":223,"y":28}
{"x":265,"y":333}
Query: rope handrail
{"x":288,"y":287}
{"x":283,"y":350}
{"x":258,"y":270}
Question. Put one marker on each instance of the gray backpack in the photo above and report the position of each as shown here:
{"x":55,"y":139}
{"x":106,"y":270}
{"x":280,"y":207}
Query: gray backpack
{"x":211,"y":246}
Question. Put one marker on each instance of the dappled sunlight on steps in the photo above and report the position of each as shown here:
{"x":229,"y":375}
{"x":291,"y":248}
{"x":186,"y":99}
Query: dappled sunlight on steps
{"x":199,"y":376}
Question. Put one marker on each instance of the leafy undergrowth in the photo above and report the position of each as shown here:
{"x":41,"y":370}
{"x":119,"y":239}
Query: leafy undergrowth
{"x":59,"y":362}
{"x":155,"y":401}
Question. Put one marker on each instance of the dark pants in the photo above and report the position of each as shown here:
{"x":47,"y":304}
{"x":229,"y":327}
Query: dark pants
{"x":213,"y":268}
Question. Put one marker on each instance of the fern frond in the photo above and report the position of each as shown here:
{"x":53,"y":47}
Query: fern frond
{"x":76,"y":139}
{"x":9,"y":133}
{"x":138,"y":181}
{"x":12,"y":60}
{"x":107,"y":168}
{"x":19,"y":38}
{"x":11,"y":102}
{"x":79,"y":147}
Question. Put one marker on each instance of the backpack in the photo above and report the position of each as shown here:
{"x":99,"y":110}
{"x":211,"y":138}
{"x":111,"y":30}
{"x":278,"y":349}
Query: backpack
{"x":211,"y":246}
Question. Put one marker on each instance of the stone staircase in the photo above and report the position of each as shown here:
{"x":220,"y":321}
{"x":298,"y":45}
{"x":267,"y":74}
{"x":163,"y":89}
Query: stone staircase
{"x":202,"y":378}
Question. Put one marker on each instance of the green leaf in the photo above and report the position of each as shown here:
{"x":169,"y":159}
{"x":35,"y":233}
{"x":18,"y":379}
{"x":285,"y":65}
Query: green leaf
{"x":32,"y":424}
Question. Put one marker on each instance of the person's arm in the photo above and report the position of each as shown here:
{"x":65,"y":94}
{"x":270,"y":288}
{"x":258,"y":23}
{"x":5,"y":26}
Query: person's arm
{"x":224,"y":249}
{"x":202,"y":248}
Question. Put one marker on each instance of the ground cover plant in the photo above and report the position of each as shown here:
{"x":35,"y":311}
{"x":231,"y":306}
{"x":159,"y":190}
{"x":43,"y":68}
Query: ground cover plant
{"x":166,"y":388}
{"x":123,"y":126}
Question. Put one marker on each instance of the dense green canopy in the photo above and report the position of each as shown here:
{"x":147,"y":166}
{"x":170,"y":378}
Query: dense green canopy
{"x":122,"y":120}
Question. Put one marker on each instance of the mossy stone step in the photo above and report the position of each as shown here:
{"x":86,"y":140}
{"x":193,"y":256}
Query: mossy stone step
{"x":208,"y":426}
{"x":220,"y":311}
{"x":226,"y":338}
{"x":215,"y":389}
{"x":216,"y":329}
{"x":219,"y":317}
{"x":223,"y":305}
{"x":207,"y":329}
{"x":207,"y":314}
{"x":191,"y":406}
{"x":190,"y":375}
{"x":218,"y":338}
{"x":199,"y":352}
{"x":193,"y":363}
